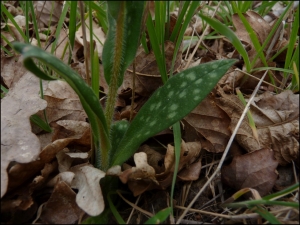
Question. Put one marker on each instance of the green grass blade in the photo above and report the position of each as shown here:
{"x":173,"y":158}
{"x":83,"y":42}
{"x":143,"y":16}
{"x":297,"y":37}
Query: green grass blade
{"x":59,"y":27}
{"x":253,"y":203}
{"x":180,"y":18}
{"x":113,"y":208}
{"x":41,"y":123}
{"x":170,"y":103}
{"x":101,"y":16}
{"x":224,"y":30}
{"x":267,"y":215}
{"x":103,"y":218}
{"x":272,"y":68}
{"x":9,"y":16}
{"x":159,"y":54}
{"x":72,"y":23}
{"x":35,"y":26}
{"x":292,"y":41}
{"x":188,"y":17}
{"x":295,"y":78}
{"x":95,"y":73}
{"x":282,"y":193}
{"x":144,"y":43}
{"x":159,"y":217}
{"x":278,"y":22}
{"x":254,"y":39}
{"x":177,"y":145}
{"x":249,"y":115}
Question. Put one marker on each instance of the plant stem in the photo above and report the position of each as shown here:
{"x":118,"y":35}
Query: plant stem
{"x":116,"y":68}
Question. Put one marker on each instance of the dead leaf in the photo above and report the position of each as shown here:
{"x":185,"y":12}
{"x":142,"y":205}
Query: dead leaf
{"x":97,"y":31}
{"x":20,"y":173}
{"x":47,"y":12}
{"x":89,"y":197}
{"x":63,"y":102}
{"x":276,"y":119}
{"x":141,"y":177}
{"x":12,"y":70}
{"x":61,"y":208}
{"x":18,"y":142}
{"x":67,"y":177}
{"x":253,"y":170}
{"x":211,"y":122}
{"x":148,"y":77}
{"x":234,"y":109}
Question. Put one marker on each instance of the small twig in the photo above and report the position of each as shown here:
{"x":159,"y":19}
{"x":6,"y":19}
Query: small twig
{"x":131,"y":213}
{"x":226,"y":149}
{"x":201,"y":39}
{"x":229,"y":217}
{"x":135,"y":206}
{"x":265,"y":82}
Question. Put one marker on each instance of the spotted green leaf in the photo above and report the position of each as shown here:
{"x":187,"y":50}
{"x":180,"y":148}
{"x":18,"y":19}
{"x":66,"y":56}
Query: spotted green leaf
{"x":170,"y":103}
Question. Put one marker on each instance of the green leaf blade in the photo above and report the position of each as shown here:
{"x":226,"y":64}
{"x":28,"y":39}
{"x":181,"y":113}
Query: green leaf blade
{"x":125,"y":22}
{"x":170,"y":103}
{"x":223,"y":29}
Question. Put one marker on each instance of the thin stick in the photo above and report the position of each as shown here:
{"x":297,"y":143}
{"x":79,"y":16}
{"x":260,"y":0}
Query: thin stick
{"x":135,"y":206}
{"x":131,"y":213}
{"x":265,"y":82}
{"x":226,"y":149}
{"x":201,"y":39}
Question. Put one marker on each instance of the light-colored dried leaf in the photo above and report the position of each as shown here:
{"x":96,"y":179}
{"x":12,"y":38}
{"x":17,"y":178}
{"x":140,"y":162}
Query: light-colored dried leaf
{"x":89,"y":197}
{"x":18,"y":142}
{"x":67,"y":177}
{"x":63,"y":102}
{"x":97,"y":31}
{"x":47,"y":12}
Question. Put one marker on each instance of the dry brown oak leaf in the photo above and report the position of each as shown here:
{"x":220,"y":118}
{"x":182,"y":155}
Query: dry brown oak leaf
{"x":276,"y":119}
{"x":255,"y":170}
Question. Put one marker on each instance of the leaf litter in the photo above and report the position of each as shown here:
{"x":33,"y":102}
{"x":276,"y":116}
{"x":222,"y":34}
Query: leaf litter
{"x":56,"y":166}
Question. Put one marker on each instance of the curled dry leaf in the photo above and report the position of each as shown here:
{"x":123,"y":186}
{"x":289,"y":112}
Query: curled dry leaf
{"x":18,"y":143}
{"x":20,"y":173}
{"x":87,"y":181}
{"x":141,"y":177}
{"x":61,"y":208}
{"x":142,"y":170}
{"x":144,"y":177}
{"x":253,"y":170}
{"x":277,"y":120}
